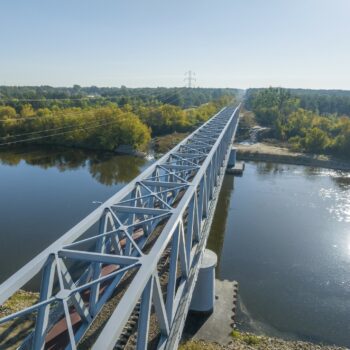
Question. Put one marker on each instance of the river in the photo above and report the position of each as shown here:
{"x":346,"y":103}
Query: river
{"x":281,"y":231}
{"x":45,"y":193}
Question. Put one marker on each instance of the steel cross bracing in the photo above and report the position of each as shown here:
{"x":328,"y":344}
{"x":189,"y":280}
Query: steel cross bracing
{"x":163,"y":214}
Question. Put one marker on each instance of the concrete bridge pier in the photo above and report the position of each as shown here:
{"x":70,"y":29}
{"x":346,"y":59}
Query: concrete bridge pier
{"x":203,"y":297}
{"x":213,"y":305}
{"x":234,"y":167}
{"x":232,"y":158}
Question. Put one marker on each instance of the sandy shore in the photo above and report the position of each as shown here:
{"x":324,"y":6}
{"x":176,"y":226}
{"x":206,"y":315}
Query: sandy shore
{"x":271,"y":153}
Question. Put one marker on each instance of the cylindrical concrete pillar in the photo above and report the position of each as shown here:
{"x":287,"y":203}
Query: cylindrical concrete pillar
{"x":204,"y":292}
{"x":232,"y":158}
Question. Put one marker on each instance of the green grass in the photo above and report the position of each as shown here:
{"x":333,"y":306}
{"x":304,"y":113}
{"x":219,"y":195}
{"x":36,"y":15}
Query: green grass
{"x":18,"y":301}
{"x":15,"y":331}
{"x":249,"y":339}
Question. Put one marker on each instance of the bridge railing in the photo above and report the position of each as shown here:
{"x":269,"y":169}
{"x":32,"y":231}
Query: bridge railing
{"x":138,"y":253}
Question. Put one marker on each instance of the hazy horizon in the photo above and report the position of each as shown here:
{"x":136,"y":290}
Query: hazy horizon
{"x":182,"y":87}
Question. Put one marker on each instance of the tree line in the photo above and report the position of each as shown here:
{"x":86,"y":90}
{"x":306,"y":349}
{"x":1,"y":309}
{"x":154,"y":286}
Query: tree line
{"x":292,"y":118}
{"x":98,"y":126}
{"x":323,"y":102}
{"x":77,"y":96}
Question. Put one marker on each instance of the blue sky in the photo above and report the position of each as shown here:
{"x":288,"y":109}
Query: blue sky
{"x":228,"y":43}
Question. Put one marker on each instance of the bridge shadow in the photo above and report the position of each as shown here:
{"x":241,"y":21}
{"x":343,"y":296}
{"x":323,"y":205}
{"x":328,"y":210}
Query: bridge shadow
{"x":217,"y":231}
{"x":194,"y":322}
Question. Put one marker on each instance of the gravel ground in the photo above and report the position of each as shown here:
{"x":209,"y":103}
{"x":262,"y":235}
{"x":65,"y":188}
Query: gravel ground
{"x":247,"y":341}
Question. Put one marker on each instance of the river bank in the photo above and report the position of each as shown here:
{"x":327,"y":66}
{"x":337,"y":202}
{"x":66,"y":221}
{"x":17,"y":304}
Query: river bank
{"x":249,"y":341}
{"x":260,"y":151}
{"x":266,"y":152}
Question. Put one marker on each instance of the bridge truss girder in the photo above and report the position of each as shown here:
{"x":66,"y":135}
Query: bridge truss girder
{"x":162,"y":214}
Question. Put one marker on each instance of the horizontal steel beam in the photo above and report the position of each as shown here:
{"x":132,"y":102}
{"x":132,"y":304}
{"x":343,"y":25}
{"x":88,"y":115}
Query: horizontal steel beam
{"x":97,"y":257}
{"x":139,"y":210}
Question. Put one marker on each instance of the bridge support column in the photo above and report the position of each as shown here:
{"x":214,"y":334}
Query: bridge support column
{"x":203,"y":297}
{"x":232,"y":158}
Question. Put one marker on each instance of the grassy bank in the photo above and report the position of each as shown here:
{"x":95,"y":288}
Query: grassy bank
{"x":12,"y":333}
{"x":18,"y":301}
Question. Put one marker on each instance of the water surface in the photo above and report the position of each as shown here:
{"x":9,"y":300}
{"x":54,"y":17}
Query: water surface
{"x":283,"y":232}
{"x":45,"y":193}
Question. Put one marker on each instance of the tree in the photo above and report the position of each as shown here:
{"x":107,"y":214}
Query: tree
{"x":342,"y":141}
{"x":27,"y":111}
{"x":316,"y":140}
{"x":7,"y":112}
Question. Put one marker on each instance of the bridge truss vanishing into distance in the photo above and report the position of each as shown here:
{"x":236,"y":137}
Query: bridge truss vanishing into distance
{"x":126,"y":273}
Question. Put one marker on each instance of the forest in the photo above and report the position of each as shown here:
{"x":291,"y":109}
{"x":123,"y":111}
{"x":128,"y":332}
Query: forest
{"x":314,"y":121}
{"x":319,"y":101}
{"x":77,"y":96}
{"x":103,"y":118}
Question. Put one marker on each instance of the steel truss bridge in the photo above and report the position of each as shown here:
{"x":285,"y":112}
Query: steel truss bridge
{"x":135,"y":258}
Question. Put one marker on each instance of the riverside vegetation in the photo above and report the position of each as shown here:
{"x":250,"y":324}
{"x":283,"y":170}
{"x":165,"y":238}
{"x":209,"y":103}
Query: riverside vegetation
{"x":308,"y":120}
{"x":105,"y":120}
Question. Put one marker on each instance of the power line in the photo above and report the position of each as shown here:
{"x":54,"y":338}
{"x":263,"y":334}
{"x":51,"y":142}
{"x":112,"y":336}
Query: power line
{"x":56,"y":134}
{"x":41,"y":131}
{"x":14,"y":99}
{"x":167,"y":100}
{"x":189,"y":77}
{"x":29,"y":118}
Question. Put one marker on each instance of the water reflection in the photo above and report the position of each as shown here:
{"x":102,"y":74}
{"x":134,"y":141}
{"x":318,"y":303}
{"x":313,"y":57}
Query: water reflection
{"x":114,"y":170}
{"x":336,"y":198}
{"x":339,"y":177}
{"x":338,"y":202}
{"x":107,"y":168}
{"x":342,"y":181}
{"x":48,"y":191}
{"x":269,"y":168}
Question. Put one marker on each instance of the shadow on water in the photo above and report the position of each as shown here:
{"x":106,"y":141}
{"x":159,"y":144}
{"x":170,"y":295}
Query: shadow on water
{"x":218,"y":227}
{"x":107,"y":168}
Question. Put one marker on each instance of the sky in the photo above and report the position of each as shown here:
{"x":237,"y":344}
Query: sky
{"x":138,"y":43}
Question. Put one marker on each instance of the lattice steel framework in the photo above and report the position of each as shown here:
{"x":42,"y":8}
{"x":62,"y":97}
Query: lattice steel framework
{"x":159,"y":220}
